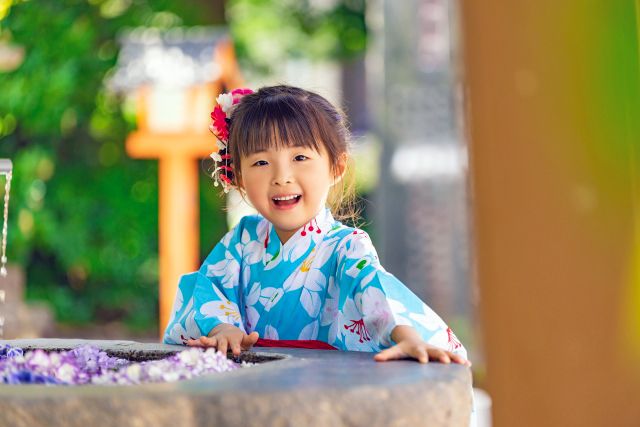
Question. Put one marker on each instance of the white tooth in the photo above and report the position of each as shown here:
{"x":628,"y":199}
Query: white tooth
{"x":285,"y":198}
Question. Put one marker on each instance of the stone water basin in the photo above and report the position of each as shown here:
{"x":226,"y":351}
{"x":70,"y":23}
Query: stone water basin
{"x":286,"y":387}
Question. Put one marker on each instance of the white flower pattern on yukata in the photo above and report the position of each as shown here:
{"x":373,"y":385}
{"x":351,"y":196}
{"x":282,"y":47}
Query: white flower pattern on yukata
{"x":325,"y":283}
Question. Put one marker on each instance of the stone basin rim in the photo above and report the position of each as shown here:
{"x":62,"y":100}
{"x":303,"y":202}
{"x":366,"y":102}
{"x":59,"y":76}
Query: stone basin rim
{"x":313,"y":388}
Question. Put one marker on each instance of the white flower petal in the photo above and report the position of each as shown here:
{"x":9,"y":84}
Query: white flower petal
{"x":315,"y":281}
{"x":309,"y":332}
{"x":367,"y":279}
{"x":253,"y":252}
{"x":225,"y":311}
{"x":217,"y":269}
{"x":310,"y":302}
{"x":225,"y":100}
{"x":254,"y":294}
{"x":226,"y":240}
{"x":294,"y":281}
{"x":269,"y":297}
{"x":295,"y":250}
{"x":252,"y":318}
{"x":396,"y":306}
{"x":270,"y":333}
{"x":228,"y":270}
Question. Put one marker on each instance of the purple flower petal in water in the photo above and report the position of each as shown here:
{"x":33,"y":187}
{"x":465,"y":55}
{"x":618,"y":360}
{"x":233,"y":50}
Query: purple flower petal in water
{"x":90,"y":365}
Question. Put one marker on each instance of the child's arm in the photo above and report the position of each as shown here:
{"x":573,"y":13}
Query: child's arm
{"x":410,"y":344}
{"x":210,"y":297}
{"x":395,"y":319}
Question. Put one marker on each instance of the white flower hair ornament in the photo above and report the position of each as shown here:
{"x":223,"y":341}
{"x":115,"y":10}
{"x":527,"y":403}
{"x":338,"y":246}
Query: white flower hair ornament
{"x":223,"y":171}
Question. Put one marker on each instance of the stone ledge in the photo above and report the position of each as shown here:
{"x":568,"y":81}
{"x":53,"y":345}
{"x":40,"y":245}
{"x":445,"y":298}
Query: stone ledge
{"x":305,"y":388}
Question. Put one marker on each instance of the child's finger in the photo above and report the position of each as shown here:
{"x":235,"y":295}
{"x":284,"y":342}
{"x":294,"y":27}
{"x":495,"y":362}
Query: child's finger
{"x":198,"y":342}
{"x":223,"y":345}
{"x":206,"y":342}
{"x":459,"y":359}
{"x":439,"y":355}
{"x":249,"y":341}
{"x":421,"y":355}
{"x":391,"y":353}
{"x":235,"y":348}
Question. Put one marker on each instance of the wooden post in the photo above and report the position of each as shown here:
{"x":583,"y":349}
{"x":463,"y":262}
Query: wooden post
{"x":178,"y":168}
{"x":553,"y":98}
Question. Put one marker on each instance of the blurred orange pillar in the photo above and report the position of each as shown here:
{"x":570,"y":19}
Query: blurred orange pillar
{"x":553,"y":95}
{"x":179,"y":204}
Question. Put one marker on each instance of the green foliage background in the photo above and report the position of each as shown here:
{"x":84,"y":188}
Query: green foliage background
{"x":266,"y":32}
{"x":83,"y":215}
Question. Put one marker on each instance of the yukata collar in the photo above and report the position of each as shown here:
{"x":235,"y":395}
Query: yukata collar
{"x":313,"y":230}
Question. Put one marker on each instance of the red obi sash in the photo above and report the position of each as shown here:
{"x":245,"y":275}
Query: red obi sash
{"x":312,"y":344}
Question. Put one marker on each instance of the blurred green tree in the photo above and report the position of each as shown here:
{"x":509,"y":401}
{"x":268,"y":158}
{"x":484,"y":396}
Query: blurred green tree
{"x":83,"y":216}
{"x":267,"y":32}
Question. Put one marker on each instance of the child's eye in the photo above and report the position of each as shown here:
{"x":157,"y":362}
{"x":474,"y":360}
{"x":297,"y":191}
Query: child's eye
{"x":300,"y":157}
{"x":260,"y":163}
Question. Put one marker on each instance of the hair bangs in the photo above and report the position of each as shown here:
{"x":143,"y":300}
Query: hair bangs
{"x":278,"y":123}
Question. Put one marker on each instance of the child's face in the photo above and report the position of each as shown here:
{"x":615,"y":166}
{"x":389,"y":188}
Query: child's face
{"x":288,"y":186}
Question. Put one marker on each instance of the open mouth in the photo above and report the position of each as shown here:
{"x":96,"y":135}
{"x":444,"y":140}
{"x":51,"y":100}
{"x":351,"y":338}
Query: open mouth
{"x":285,"y":201}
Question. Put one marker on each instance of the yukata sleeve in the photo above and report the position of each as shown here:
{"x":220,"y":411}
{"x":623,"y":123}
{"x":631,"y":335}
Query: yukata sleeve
{"x":383,"y":301}
{"x":209,"y":296}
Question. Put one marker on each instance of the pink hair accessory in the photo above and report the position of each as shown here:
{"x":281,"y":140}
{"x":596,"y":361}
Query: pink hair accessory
{"x":220,"y":116}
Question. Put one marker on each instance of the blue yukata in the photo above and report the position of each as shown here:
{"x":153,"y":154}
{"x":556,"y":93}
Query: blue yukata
{"x":325,"y":283}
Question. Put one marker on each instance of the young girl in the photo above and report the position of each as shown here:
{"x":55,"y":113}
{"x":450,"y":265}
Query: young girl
{"x":294,"y":272}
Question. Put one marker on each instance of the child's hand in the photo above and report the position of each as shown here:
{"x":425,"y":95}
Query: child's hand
{"x":226,"y":336}
{"x":420,"y":350}
{"x":410,"y":344}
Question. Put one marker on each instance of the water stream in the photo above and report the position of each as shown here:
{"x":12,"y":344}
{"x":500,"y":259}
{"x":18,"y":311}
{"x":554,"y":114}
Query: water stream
{"x":6,"y":170}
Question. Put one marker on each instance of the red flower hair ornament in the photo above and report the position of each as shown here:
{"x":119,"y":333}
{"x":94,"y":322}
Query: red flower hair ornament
{"x":220,"y":116}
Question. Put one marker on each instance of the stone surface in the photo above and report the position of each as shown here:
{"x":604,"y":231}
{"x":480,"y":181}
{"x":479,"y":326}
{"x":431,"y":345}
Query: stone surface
{"x":298,"y":388}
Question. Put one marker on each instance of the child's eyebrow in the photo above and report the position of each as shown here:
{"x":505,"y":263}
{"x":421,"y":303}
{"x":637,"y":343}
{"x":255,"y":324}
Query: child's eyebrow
{"x":302,"y":145}
{"x":262,"y":152}
{"x":256,"y":153}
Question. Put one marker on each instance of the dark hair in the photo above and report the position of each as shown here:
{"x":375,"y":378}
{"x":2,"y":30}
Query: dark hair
{"x":283,"y":116}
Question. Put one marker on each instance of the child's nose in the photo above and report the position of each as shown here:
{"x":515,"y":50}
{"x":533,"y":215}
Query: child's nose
{"x":282,"y":176}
